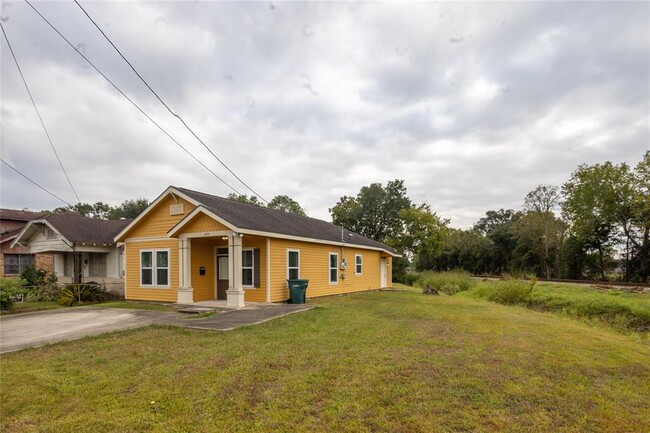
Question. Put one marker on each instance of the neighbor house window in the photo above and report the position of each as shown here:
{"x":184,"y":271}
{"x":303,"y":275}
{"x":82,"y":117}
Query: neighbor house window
{"x":49,"y":233}
{"x":293,"y":264}
{"x":358,"y":264}
{"x":154,"y":268}
{"x":15,"y":264}
{"x":334,"y":268}
{"x":97,"y":264}
{"x":247,"y":268}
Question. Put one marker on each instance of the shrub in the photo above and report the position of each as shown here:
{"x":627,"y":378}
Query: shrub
{"x":508,"y":291}
{"x":10,"y":289}
{"x":447,"y":282}
{"x":411,"y":279}
{"x":77,"y":294}
{"x":33,"y":277}
{"x":47,"y":290}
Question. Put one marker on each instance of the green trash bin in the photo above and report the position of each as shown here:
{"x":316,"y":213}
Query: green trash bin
{"x":298,"y":291}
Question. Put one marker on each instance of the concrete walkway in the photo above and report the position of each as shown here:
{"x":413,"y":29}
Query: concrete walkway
{"x":36,"y":329}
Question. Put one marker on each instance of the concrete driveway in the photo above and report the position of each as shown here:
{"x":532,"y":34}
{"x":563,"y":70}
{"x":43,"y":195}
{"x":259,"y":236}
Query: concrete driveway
{"x":43,"y":327}
{"x":36,"y":329}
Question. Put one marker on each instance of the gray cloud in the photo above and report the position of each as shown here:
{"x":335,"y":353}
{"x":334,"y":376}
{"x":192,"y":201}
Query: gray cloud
{"x":472,"y":104}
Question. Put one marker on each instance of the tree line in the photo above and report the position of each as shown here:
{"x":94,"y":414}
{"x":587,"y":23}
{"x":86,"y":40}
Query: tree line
{"x":594,"y":226}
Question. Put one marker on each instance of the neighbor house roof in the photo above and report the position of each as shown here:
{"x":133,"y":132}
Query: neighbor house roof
{"x":264,"y":221}
{"x":19,"y":215}
{"x":76,"y":228}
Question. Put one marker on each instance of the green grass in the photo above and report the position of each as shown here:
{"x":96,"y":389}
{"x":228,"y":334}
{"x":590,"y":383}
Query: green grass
{"x":136,"y":305}
{"x":27,"y":307}
{"x":203,"y":315}
{"x":620,"y":310}
{"x":449,"y":282}
{"x":376,"y":361}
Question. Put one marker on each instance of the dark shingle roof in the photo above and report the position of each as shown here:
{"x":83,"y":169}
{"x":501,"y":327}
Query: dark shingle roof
{"x":77,"y":228}
{"x":19,"y":215}
{"x":251,"y":217}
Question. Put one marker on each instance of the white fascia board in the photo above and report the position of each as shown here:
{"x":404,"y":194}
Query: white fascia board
{"x":199,"y":209}
{"x":31,"y":224}
{"x":161,"y":197}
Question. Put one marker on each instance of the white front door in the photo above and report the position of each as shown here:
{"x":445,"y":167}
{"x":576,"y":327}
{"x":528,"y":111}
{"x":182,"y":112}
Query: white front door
{"x":384,"y":283}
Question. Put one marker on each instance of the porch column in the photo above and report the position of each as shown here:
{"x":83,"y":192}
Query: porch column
{"x":185,"y":291}
{"x":235,"y":292}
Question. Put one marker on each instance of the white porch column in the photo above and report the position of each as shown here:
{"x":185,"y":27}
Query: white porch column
{"x":185,"y":291}
{"x":235,"y":292}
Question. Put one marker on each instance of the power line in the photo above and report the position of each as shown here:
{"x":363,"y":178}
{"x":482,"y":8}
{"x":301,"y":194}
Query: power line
{"x":50,"y":193}
{"x":38,"y":113}
{"x":129,"y":99}
{"x":165,"y":105}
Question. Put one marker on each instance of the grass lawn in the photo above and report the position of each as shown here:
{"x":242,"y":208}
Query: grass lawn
{"x":624,"y":311}
{"x":376,"y":361}
{"x":26,"y":307}
{"x":136,"y":305}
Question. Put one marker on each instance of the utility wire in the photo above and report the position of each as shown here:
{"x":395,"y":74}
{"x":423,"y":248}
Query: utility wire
{"x":37,"y":112}
{"x":50,"y":193}
{"x":165,"y":105}
{"x":129,"y":99}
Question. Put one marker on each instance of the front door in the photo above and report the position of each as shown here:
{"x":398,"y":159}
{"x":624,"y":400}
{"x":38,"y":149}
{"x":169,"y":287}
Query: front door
{"x":222,"y":272}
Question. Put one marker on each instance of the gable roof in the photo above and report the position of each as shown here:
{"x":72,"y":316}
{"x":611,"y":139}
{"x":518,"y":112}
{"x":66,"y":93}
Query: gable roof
{"x":76,"y":228}
{"x":254,"y":219}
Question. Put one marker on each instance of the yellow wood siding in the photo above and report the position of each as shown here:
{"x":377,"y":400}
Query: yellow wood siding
{"x":201,"y":223}
{"x":132,"y":265}
{"x":203,"y":253}
{"x":158,"y":221}
{"x":314,"y":266}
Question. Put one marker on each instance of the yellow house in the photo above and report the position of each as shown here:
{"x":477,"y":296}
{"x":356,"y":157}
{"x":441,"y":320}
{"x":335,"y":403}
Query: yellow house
{"x":188,"y":246}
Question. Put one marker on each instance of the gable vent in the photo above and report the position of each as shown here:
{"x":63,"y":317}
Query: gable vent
{"x":176,"y":209}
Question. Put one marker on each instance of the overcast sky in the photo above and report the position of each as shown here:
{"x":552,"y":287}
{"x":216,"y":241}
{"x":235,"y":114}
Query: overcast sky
{"x":473,"y":105}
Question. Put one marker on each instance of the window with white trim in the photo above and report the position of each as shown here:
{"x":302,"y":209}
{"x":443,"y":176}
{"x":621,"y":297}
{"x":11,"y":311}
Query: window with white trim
{"x":154,"y":268}
{"x":247,"y":267}
{"x":358,"y":264}
{"x":334,"y":268}
{"x":293,"y":264}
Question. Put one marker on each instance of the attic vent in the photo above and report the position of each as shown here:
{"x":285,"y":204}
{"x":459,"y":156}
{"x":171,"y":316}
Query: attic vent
{"x":176,"y":209}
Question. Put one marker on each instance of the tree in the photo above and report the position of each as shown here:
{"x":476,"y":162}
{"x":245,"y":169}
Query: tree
{"x":98,"y":210}
{"x":243,"y":198}
{"x":128,"y":209}
{"x":586,"y":205}
{"x":374,"y":212}
{"x":540,"y":204}
{"x":499,"y":227}
{"x":421,"y":236}
{"x":286,"y":204}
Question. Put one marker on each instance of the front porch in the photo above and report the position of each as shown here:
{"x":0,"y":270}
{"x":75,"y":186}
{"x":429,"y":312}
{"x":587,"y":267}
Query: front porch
{"x":223,"y":269}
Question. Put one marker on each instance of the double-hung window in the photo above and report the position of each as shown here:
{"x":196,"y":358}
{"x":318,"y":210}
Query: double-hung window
{"x":15,"y":264}
{"x":154,"y":268}
{"x":247,"y":268}
{"x":358,"y":264}
{"x":293,"y":264}
{"x":334,"y":268}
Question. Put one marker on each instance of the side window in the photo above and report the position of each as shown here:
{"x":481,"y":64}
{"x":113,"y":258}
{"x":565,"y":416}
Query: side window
{"x":293,"y":264}
{"x":247,"y":268}
{"x":334,"y":268}
{"x":358,"y":264}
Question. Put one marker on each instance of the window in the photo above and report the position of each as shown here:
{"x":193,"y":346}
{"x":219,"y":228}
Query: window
{"x":15,"y":264}
{"x":49,"y":233}
{"x":247,"y":268}
{"x":334,"y":268}
{"x":293,"y":264}
{"x":97,"y":264}
{"x":358,"y":264}
{"x":154,"y":268}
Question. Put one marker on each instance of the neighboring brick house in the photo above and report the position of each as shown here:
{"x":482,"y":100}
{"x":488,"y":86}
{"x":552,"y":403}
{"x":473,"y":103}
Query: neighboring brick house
{"x":82,"y":248}
{"x":13,"y":260}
